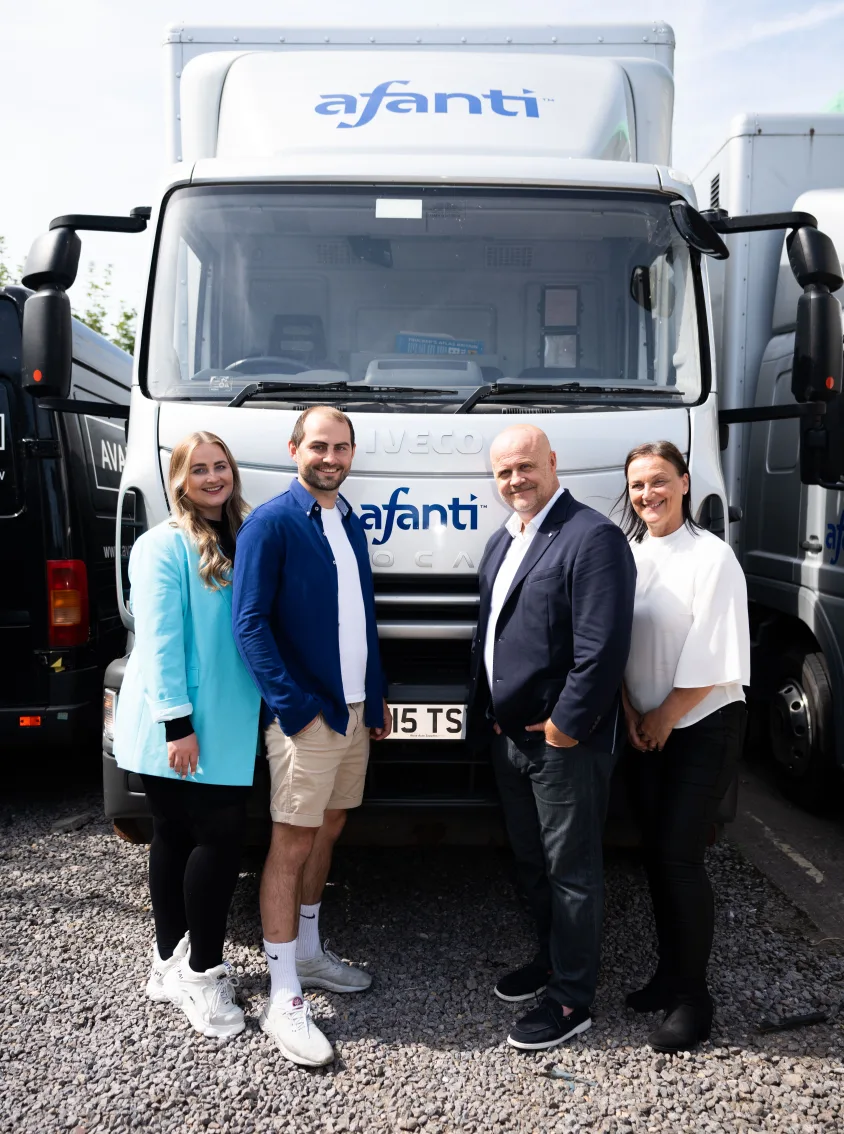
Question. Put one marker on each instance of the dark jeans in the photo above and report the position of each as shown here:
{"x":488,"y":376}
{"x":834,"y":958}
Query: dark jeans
{"x":675,"y":795}
{"x":194,"y":861}
{"x":555,"y":803}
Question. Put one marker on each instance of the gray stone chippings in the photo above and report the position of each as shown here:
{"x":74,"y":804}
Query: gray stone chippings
{"x":83,"y":1051}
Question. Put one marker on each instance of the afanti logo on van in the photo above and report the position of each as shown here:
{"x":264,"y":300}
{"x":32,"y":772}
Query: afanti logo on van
{"x":408,"y":518}
{"x":409,"y":102}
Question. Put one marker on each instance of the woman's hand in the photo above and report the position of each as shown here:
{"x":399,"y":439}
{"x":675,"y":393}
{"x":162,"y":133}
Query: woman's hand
{"x":634,"y":736}
{"x":183,"y":755}
{"x":655,"y":728}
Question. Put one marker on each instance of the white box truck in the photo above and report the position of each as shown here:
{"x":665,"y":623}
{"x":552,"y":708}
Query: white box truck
{"x":787,"y":534}
{"x":440,"y":230}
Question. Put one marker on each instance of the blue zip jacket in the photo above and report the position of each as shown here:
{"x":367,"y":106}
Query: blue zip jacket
{"x":285,"y":613}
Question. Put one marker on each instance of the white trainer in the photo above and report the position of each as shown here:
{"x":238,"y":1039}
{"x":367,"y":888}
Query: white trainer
{"x":160,"y":969}
{"x":326,"y":970}
{"x":207,"y":999}
{"x":295,"y":1034}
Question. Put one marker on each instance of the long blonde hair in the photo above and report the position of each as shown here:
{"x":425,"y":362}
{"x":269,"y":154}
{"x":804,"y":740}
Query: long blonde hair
{"x":215,"y":568}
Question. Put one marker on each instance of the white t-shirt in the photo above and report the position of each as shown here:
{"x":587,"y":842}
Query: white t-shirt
{"x":690,"y":624}
{"x":352,"y":615}
{"x":521,"y":539}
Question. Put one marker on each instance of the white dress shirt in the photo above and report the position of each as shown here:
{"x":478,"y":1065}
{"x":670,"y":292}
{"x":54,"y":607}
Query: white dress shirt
{"x":522,"y":538}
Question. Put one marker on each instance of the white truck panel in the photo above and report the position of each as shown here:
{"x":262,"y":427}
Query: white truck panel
{"x":643,"y":53}
{"x":766,"y":162}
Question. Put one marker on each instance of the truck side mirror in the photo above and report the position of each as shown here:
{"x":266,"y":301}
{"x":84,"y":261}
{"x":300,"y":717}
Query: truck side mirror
{"x":818,"y":358}
{"x":47,"y":334}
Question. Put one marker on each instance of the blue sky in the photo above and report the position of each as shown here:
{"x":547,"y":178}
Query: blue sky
{"x":83,"y":131}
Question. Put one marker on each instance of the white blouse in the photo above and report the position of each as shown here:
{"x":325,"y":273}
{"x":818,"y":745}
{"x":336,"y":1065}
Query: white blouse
{"x":690,"y":624}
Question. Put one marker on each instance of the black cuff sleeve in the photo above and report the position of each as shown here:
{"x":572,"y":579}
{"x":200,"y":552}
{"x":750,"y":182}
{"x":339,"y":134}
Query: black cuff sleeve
{"x":178,"y":729}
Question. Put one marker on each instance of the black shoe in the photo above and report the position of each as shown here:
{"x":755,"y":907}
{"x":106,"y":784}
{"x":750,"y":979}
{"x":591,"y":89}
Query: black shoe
{"x":547,"y":1026}
{"x":524,"y":983}
{"x":683,"y":1028}
{"x":654,"y":997}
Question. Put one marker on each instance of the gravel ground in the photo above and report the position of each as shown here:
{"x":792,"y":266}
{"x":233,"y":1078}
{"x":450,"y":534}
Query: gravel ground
{"x":82,"y":1050}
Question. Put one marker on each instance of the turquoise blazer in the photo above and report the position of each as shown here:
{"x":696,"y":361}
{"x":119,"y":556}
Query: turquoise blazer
{"x":184,"y":661}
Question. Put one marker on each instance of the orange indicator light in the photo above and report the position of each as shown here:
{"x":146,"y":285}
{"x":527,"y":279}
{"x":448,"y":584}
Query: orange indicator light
{"x":37,"y":375}
{"x":30,"y":722}
{"x":830,"y":383}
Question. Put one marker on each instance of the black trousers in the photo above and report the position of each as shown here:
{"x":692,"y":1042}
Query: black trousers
{"x":555,"y":804}
{"x":194,"y":861}
{"x":675,"y":795}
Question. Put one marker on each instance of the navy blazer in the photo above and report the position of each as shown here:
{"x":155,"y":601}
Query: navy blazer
{"x":563,"y":633}
{"x":285,"y":613}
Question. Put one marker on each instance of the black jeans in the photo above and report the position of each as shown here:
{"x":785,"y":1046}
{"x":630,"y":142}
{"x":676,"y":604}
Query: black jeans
{"x":555,"y":803}
{"x":675,"y":795}
{"x":194,"y":860}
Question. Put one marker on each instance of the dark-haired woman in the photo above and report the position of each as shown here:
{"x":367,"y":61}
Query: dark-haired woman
{"x":684,"y":705}
{"x":187,"y":722}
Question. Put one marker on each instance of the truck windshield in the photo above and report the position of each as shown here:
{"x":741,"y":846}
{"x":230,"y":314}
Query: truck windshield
{"x":423,"y":295}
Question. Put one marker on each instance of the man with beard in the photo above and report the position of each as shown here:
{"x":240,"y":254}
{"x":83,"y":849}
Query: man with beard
{"x":304,"y":622}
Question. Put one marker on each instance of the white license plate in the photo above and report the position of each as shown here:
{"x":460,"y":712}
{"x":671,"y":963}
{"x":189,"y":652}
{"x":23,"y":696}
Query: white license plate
{"x":428,"y":722}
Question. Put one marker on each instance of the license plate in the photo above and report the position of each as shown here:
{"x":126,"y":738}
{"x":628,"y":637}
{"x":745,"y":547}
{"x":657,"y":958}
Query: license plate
{"x":428,"y":722}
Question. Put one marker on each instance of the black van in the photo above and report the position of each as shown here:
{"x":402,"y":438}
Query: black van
{"x":59,"y":475}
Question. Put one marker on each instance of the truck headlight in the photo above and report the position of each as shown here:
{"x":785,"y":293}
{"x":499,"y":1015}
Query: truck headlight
{"x":109,"y":710}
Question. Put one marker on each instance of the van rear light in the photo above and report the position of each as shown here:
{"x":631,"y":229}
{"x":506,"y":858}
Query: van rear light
{"x":67,"y":590}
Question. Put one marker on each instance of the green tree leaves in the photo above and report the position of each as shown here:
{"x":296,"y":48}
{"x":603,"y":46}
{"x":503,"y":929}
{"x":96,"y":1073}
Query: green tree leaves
{"x":98,"y":300}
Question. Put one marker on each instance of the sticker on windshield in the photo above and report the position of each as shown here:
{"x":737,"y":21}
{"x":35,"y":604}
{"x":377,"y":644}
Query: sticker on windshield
{"x":397,"y":208}
{"x":411,"y":342}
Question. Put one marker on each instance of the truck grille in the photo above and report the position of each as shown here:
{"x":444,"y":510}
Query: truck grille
{"x":426,"y":623}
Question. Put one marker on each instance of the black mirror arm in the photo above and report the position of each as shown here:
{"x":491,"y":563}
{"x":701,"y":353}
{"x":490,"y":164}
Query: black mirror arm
{"x":90,"y":409}
{"x":757,"y":222}
{"x":771,"y":413}
{"x":92,"y":222}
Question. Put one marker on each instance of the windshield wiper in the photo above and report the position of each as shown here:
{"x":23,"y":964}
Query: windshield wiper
{"x":498,"y":389}
{"x":352,"y":390}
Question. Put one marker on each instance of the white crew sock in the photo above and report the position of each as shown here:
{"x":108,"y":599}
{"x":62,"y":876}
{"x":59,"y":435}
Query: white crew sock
{"x":284,"y":983}
{"x":308,"y":945}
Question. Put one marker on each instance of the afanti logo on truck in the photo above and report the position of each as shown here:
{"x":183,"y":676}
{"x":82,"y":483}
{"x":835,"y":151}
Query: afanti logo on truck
{"x":406,"y":517}
{"x":407,"y":102}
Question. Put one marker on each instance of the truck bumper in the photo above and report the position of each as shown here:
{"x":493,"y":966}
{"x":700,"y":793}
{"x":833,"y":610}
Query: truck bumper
{"x":59,"y":728}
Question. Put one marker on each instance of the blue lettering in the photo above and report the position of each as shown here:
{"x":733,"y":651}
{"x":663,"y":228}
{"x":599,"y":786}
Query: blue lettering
{"x":370,"y":517}
{"x":839,"y":533}
{"x":428,"y":509}
{"x":441,"y":103}
{"x":408,"y":102}
{"x":337,"y":104}
{"x":373,"y":104}
{"x":497,"y":98}
{"x":390,"y":508}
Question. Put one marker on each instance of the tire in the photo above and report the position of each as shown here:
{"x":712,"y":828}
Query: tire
{"x":133,"y":830}
{"x":801,"y":730}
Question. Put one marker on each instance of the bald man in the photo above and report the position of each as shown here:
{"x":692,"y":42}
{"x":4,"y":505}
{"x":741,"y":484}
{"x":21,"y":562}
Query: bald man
{"x":556,"y":607}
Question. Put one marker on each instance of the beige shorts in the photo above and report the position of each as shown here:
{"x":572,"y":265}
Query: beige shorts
{"x":316,"y":771}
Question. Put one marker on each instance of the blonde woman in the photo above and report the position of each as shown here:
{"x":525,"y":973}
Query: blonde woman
{"x":187,"y":722}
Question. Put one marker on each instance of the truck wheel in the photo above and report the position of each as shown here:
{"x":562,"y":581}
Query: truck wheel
{"x":801,"y":729}
{"x":133,"y":830}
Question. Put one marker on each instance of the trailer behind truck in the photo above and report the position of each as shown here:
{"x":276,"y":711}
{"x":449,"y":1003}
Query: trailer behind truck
{"x":785,"y":533}
{"x":441,"y":231}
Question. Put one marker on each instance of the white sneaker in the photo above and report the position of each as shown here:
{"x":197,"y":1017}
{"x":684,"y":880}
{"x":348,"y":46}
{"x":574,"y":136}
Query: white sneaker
{"x":295,"y":1033}
{"x":160,"y":969}
{"x":326,"y":970}
{"x":207,"y":999}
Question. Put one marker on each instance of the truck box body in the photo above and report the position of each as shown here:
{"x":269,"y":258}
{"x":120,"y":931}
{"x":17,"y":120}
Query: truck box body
{"x":404,"y":218}
{"x":787,"y":536}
